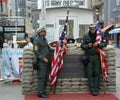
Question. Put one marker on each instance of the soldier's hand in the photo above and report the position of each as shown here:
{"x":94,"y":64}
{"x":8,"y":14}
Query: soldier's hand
{"x":95,"y":44}
{"x":46,"y":60}
{"x":90,"y":44}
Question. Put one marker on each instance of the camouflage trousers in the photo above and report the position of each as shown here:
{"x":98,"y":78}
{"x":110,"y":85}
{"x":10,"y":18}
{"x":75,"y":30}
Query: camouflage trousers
{"x":93,"y":72}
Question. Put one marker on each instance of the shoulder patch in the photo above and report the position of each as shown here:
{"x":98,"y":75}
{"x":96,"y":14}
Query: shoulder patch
{"x":36,"y":47}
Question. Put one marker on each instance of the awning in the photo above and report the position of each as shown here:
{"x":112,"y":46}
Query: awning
{"x":115,"y":31}
{"x":106,"y":28}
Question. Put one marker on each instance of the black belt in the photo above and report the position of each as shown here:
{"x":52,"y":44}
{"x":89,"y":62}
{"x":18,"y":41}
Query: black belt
{"x":93,"y":54}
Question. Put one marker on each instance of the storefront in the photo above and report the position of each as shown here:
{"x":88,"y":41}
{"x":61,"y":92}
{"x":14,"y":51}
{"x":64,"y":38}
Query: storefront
{"x":14,"y":26}
{"x":77,"y":24}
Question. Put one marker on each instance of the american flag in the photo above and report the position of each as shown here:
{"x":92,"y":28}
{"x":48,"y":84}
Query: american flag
{"x":57,"y":60}
{"x":101,"y":51}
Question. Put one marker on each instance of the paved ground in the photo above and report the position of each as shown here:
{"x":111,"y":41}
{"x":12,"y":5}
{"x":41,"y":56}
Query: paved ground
{"x":14,"y":91}
{"x":10,"y":91}
{"x":118,"y":72}
{"x":118,"y":84}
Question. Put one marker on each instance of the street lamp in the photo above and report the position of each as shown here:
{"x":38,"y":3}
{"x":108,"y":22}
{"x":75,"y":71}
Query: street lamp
{"x":16,"y":24}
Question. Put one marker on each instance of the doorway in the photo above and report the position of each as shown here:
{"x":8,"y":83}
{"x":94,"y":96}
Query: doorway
{"x":69,"y":27}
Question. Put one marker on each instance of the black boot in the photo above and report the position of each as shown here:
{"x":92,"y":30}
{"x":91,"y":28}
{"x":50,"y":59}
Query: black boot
{"x":97,"y":91}
{"x":43,"y":95}
{"x":93,"y":92}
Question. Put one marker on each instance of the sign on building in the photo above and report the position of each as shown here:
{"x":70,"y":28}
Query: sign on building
{"x":14,"y":25}
{"x":66,"y":3}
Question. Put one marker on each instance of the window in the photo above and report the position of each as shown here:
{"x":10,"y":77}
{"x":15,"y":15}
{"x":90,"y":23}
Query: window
{"x":50,"y":32}
{"x":82,"y":30}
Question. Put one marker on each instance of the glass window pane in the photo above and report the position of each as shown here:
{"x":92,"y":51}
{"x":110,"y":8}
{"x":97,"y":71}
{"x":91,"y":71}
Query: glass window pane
{"x":50,"y":33}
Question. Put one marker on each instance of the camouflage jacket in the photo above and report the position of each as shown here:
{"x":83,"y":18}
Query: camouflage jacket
{"x":90,"y":38}
{"x":41,"y":48}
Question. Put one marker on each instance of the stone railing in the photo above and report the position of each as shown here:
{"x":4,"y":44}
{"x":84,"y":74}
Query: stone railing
{"x":67,"y":84}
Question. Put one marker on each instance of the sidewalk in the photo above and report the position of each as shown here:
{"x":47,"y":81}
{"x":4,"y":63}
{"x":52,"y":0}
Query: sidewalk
{"x":118,"y":83}
{"x":0,"y":65}
{"x":118,"y":72}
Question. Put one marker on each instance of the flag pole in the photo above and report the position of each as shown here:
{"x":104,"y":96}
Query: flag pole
{"x":103,"y":76}
{"x":66,"y":21}
{"x":54,"y":89}
{"x":101,"y":58}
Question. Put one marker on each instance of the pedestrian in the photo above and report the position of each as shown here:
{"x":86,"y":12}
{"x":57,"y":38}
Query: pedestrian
{"x":33,"y":36}
{"x":28,"y":42}
{"x":43,"y":53}
{"x":93,"y":67}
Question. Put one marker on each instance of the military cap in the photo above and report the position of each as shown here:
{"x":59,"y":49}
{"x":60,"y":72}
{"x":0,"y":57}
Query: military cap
{"x":39,"y":30}
{"x":92,"y":26}
{"x":70,"y":40}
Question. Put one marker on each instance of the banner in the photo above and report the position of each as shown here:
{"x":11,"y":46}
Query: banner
{"x":12,"y":63}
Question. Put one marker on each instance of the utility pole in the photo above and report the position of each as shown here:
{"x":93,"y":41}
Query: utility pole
{"x":1,"y":9}
{"x":43,"y":15}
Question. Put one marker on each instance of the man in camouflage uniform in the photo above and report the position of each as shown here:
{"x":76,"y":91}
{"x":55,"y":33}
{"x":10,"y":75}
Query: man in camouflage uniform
{"x":43,"y":54}
{"x":93,"y":67}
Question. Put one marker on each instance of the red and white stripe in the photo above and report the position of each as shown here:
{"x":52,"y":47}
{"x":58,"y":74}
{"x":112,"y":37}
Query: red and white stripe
{"x":57,"y":63}
{"x":102,"y":55}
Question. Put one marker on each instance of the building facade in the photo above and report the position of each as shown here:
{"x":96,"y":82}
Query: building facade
{"x":80,"y":16}
{"x":18,"y":8}
{"x":112,"y":12}
{"x":82,"y":13}
{"x":98,"y":7}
